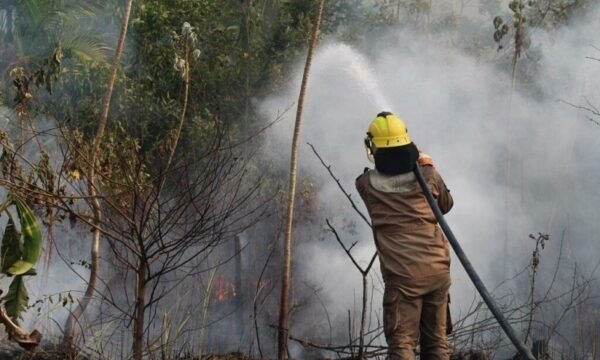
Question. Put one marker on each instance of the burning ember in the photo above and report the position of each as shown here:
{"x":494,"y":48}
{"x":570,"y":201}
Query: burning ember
{"x":224,"y":290}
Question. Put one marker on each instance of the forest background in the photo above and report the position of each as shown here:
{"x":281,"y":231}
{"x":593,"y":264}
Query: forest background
{"x":161,"y":209}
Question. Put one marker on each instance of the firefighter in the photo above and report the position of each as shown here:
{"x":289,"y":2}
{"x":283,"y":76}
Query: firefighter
{"x":414,"y":253}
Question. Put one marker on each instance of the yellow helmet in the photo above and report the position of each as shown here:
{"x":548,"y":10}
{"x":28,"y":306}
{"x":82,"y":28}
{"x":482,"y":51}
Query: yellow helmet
{"x":387,"y":130}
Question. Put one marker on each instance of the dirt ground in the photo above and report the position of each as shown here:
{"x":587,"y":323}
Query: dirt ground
{"x":54,"y":354}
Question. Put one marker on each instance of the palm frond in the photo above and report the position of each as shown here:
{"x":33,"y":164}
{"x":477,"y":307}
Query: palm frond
{"x":77,"y":35}
{"x":86,"y":48}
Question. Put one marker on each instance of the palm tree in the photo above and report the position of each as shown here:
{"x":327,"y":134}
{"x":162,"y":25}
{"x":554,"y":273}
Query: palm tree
{"x":32,"y":29}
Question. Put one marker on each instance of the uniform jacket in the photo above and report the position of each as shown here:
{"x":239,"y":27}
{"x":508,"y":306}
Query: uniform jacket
{"x":413,"y":250}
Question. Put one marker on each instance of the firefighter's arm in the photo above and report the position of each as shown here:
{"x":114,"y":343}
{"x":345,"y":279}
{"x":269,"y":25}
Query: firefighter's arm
{"x":444,"y":199}
{"x":436,"y":183}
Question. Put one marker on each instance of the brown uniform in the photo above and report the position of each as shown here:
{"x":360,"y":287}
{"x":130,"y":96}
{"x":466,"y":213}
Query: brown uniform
{"x":415,"y":260}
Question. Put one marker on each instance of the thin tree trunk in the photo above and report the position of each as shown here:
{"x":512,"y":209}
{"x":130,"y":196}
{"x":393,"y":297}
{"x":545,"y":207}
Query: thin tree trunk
{"x":21,"y":115}
{"x":287,"y":253}
{"x":205,"y":309}
{"x":186,"y":92}
{"x":518,"y":38}
{"x":138,"y":315}
{"x":518,"y":45}
{"x":238,"y":285}
{"x":361,"y":339}
{"x":92,"y":186}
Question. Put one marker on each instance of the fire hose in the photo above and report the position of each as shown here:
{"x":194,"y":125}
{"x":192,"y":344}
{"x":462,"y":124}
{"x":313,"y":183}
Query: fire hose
{"x":487,"y":298}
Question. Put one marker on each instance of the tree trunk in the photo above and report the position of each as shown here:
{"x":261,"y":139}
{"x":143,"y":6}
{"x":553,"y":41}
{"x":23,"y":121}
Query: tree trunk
{"x":205,"y":309}
{"x":138,"y":315}
{"x":238,"y":286}
{"x":287,"y":252}
{"x":186,"y":92}
{"x":363,"y":318}
{"x":92,"y":187}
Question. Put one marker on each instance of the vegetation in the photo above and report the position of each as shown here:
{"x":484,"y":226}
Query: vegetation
{"x":132,"y":166}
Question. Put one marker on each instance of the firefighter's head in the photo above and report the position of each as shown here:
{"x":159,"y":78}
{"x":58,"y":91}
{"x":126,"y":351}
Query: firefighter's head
{"x":389,"y":146}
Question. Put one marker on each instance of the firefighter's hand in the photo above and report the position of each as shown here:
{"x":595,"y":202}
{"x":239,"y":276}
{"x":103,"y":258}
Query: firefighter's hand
{"x":425,"y":159}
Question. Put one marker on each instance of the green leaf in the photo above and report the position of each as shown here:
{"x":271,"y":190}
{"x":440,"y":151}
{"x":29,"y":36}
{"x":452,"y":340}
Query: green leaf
{"x":32,"y":240}
{"x":20,"y":267}
{"x":15,"y":302}
{"x":10,"y":251}
{"x":30,"y":272}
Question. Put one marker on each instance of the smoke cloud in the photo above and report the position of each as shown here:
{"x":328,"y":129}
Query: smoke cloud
{"x":518,"y":160}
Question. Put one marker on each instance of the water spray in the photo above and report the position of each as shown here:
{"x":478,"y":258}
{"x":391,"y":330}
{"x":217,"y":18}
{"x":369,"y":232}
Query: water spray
{"x":487,"y":298}
{"x":358,"y":67}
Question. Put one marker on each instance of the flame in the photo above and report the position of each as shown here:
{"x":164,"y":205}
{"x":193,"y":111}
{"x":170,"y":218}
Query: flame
{"x":224,"y":289}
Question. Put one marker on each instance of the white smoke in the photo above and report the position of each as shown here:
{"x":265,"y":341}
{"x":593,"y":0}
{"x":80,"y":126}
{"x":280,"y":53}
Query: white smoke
{"x":517,"y":162}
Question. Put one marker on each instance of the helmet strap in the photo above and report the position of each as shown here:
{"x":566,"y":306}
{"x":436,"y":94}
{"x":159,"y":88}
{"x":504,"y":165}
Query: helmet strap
{"x":369,"y":144}
{"x":369,"y":148}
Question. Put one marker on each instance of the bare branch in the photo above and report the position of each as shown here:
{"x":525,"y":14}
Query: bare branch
{"x":346,"y":250}
{"x":591,"y":109}
{"x":348,"y":196}
{"x":22,"y":337}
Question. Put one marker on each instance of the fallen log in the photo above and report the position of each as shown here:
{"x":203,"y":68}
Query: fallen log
{"x":27,"y":341}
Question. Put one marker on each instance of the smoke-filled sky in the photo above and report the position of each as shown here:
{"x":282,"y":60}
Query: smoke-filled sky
{"x":517,"y":163}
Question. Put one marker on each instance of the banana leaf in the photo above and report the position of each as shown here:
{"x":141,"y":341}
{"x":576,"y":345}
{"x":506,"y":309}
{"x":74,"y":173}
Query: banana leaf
{"x":15,"y":302}
{"x":10,"y":251}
